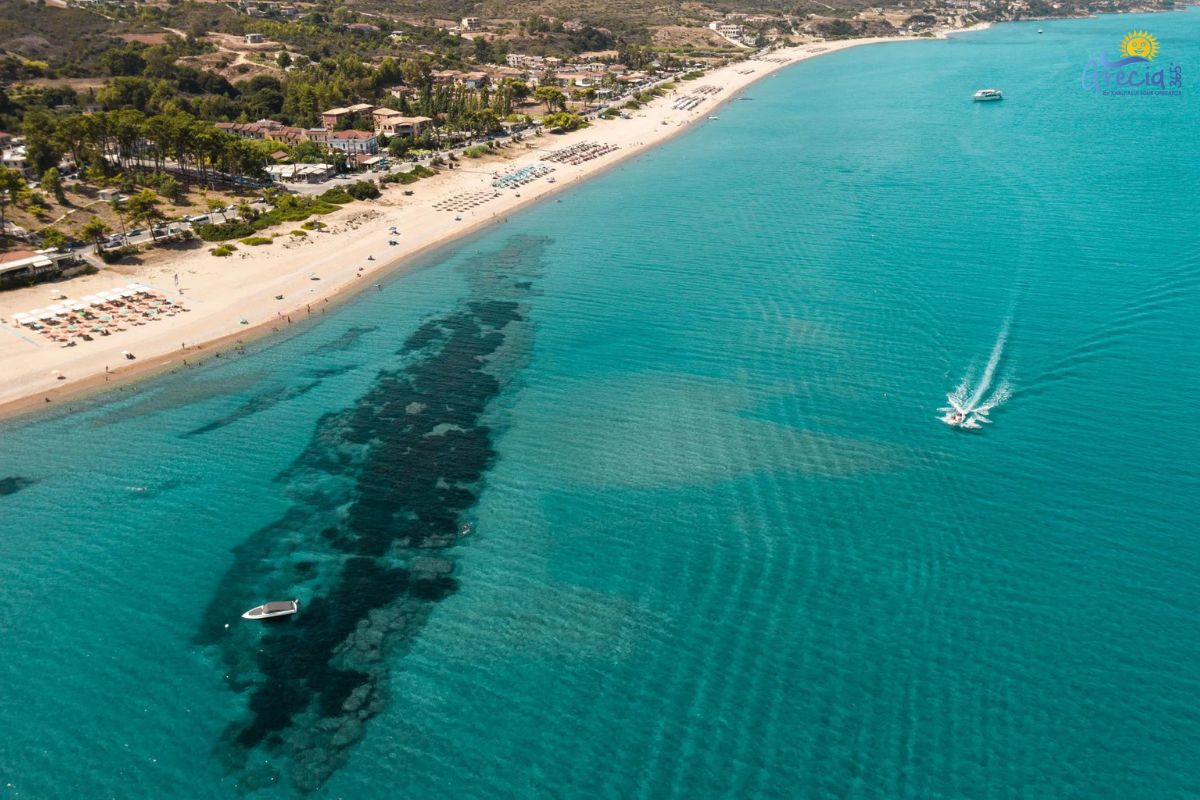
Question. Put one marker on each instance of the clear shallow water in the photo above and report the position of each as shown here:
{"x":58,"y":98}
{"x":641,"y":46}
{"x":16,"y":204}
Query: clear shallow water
{"x":721,"y":545}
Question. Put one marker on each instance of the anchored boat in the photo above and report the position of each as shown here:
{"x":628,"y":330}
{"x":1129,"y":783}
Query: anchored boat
{"x":988,"y":94}
{"x":276,"y":608}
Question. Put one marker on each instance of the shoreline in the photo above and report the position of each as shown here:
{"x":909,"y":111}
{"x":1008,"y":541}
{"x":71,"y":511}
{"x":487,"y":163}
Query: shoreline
{"x":228,"y":295}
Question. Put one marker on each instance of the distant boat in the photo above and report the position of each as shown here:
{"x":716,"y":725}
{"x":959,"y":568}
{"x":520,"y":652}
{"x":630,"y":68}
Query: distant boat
{"x":1040,"y":30}
{"x":714,"y":117}
{"x":276,"y":608}
{"x":988,"y":94}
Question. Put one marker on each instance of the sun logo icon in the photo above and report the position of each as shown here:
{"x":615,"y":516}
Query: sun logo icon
{"x":1139,"y":44}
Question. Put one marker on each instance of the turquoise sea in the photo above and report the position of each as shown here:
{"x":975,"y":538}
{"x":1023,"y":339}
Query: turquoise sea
{"x":720,"y":544}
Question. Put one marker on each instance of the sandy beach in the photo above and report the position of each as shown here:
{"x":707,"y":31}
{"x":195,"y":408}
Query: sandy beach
{"x":237,"y":298}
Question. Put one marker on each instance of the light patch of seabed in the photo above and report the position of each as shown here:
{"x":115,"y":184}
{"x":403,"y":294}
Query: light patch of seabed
{"x":670,"y":430}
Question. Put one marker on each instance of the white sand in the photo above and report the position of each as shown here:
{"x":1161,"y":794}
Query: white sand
{"x":223,"y":291}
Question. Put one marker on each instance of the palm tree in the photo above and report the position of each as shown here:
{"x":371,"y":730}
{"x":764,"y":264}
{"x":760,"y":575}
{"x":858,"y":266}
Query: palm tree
{"x":215,"y":206}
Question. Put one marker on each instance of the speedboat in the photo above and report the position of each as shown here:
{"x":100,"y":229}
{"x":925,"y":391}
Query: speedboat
{"x":988,"y":94}
{"x":275,"y":608}
{"x":1040,"y":30}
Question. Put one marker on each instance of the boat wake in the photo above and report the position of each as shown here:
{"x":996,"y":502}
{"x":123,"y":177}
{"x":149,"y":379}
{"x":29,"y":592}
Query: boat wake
{"x":969,"y":405}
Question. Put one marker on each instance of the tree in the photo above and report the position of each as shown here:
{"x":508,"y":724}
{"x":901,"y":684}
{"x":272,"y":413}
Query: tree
{"x":284,"y":59}
{"x":96,"y":230}
{"x":215,"y":206}
{"x":52,"y":184}
{"x":12,"y":183}
{"x":119,"y":209}
{"x":552,"y":98}
{"x":52,"y":237}
{"x":43,"y":148}
{"x":123,"y":61}
{"x":246,"y":212}
{"x":562,"y":121}
{"x":143,"y":208}
{"x":171,"y":189}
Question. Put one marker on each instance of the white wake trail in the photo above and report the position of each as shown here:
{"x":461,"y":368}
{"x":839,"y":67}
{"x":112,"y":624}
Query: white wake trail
{"x":989,"y":371}
{"x":968,"y":407}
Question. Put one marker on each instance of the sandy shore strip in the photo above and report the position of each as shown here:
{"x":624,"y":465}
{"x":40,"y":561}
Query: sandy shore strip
{"x":238,"y":298}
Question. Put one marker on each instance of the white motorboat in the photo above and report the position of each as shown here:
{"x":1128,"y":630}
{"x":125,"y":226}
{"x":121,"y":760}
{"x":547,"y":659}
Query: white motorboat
{"x":275,"y":608}
{"x":988,"y":94}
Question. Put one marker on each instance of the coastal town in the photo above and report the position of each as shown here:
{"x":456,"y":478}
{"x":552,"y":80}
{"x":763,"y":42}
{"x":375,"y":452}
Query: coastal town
{"x":262,"y":133}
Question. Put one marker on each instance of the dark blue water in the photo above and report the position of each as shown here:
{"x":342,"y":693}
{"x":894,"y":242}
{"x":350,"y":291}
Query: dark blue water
{"x":644,"y":493}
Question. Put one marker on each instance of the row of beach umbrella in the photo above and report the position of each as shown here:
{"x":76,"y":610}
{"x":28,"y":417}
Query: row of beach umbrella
{"x":82,"y":304}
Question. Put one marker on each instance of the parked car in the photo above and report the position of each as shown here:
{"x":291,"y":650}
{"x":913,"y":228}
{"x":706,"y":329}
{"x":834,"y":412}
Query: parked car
{"x":136,"y":232}
{"x":199,"y":219}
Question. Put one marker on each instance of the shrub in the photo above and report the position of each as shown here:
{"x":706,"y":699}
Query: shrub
{"x":299,"y":234}
{"x":219,"y":232}
{"x":336,"y":195}
{"x":412,"y":176}
{"x":312,"y":225}
{"x":255,"y":241}
{"x":475,"y":151}
{"x":363,"y":190}
{"x":632,"y":104}
{"x":563,"y":121}
{"x":223,"y":251}
{"x":115,"y":254}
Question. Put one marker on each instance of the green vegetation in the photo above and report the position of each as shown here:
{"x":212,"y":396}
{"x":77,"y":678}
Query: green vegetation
{"x":223,"y":251}
{"x":255,"y":241}
{"x":299,"y":234}
{"x":288,"y":208}
{"x":363,"y":190}
{"x":96,"y":230}
{"x":337,"y":195}
{"x":564,"y":122}
{"x":412,"y":176}
{"x":476,"y":151}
